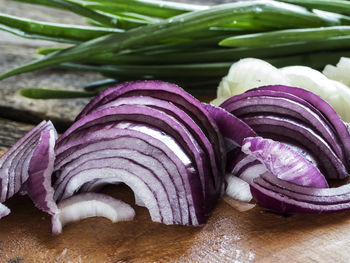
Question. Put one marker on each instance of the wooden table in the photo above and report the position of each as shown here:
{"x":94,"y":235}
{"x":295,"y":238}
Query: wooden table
{"x":230,"y":235}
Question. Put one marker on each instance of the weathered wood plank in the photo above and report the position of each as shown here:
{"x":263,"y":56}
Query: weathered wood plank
{"x":11,"y":131}
{"x":229,"y":236}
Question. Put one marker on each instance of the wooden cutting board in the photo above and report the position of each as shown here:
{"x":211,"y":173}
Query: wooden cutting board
{"x":230,"y":235}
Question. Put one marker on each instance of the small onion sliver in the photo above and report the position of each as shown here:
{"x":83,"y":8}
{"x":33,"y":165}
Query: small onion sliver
{"x":90,"y":205}
{"x":237,"y":188}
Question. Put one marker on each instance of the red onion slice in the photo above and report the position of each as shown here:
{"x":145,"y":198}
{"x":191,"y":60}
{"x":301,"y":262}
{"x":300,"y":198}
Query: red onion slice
{"x":90,"y":205}
{"x":283,"y":162}
{"x":327,"y":111}
{"x":14,"y":163}
{"x":181,"y":174}
{"x":282,"y":128}
{"x":181,"y":116}
{"x":152,"y":118}
{"x":167,"y":92}
{"x":40,"y":171}
{"x":282,"y":104}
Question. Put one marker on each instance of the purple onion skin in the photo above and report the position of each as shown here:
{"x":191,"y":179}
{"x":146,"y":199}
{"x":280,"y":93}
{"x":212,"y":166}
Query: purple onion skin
{"x":229,"y":125}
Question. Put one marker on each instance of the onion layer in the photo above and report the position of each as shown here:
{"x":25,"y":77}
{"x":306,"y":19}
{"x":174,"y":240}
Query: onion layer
{"x":90,"y":205}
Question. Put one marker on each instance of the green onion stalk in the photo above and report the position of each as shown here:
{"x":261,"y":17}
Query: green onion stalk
{"x":191,"y":45}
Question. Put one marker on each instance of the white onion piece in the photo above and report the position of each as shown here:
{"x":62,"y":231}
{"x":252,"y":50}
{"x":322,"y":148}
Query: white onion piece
{"x":237,"y":188}
{"x":340,"y":72}
{"x":247,"y":74}
{"x":252,"y":172}
{"x":4,"y":210}
{"x":90,"y":205}
{"x":118,"y":175}
{"x":314,"y":81}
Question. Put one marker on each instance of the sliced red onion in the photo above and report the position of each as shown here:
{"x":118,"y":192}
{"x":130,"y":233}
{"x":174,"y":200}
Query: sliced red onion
{"x":328,"y":162}
{"x":233,"y":129}
{"x":167,"y":92}
{"x":40,"y":171}
{"x":9,"y":158}
{"x":151,"y":142}
{"x":327,"y":111}
{"x":90,"y":205}
{"x":283,"y":162}
{"x":257,"y":102}
{"x":280,"y":203}
{"x":153,"y":118}
{"x":180,"y":116}
{"x":138,"y":139}
{"x":14,"y":163}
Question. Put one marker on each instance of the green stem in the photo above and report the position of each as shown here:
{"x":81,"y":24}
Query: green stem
{"x":192,"y":22}
{"x":154,"y":8}
{"x":280,"y":37}
{"x":51,"y":31}
{"x":107,"y":20}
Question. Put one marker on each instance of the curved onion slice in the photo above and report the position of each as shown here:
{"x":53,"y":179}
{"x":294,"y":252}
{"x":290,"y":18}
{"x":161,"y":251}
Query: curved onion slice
{"x":283,"y":162}
{"x":150,"y":142}
{"x":180,"y":116}
{"x":40,"y":171}
{"x":168,"y":92}
{"x":292,"y":130}
{"x":153,"y":118}
{"x":90,"y":205}
{"x":276,"y":102}
{"x":283,"y":197}
{"x":14,"y":163}
{"x":327,"y":111}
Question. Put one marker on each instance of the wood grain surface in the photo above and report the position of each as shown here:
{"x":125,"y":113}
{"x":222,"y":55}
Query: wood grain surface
{"x":229,"y":236}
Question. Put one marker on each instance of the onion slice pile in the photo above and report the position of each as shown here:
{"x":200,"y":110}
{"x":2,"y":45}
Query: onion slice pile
{"x":152,"y":136}
{"x":89,"y":205}
{"x":300,"y":119}
{"x":14,"y":164}
{"x":310,"y":139}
